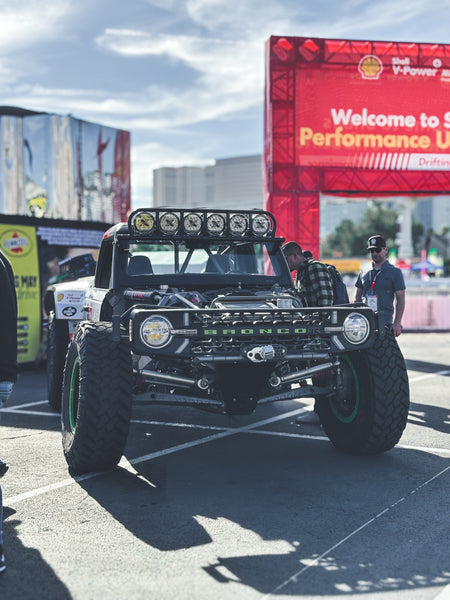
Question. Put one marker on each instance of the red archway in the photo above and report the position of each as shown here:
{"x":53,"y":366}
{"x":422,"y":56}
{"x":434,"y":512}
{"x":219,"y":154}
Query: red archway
{"x":352,"y":118}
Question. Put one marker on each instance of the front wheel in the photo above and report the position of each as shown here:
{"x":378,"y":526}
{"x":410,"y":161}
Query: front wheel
{"x":96,"y":399}
{"x":369,"y":412}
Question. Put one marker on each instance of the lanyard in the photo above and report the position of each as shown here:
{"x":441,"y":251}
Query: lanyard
{"x":373,"y":278}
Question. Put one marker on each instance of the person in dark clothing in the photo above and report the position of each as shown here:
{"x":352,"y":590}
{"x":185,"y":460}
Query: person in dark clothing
{"x":314,"y":283}
{"x":8,"y":357}
{"x":313,"y":280}
{"x":381,"y":286}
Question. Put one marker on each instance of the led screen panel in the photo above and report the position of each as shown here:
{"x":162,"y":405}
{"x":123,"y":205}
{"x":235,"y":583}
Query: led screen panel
{"x":375,"y":114}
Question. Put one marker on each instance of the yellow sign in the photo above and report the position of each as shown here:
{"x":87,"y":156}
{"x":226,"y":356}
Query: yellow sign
{"x":345,"y":265}
{"x":19,"y":244}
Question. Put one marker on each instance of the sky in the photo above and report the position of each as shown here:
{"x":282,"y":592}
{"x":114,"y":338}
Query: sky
{"x":185,"y":77}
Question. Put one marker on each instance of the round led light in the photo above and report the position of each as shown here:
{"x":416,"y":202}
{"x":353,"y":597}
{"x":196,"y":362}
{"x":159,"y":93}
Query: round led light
{"x":215,"y":224}
{"x":156,"y":331}
{"x":356,"y":328}
{"x":143,"y":222}
{"x":238,"y":224}
{"x":260,"y":224}
{"x":169,"y":222}
{"x":192,"y":223}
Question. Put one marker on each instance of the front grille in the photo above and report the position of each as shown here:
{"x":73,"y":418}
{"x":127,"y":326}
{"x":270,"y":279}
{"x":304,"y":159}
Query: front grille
{"x":229,"y":333}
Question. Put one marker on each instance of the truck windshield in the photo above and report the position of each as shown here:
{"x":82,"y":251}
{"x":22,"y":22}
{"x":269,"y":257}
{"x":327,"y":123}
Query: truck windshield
{"x":184,"y":257}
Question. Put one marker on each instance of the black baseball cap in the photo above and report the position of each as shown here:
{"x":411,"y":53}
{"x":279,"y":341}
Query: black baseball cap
{"x":376,"y":241}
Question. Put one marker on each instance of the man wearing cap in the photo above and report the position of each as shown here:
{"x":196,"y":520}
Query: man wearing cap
{"x":380,"y":286}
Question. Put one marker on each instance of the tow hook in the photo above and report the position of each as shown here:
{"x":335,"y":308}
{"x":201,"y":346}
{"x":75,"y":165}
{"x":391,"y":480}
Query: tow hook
{"x":261,"y":353}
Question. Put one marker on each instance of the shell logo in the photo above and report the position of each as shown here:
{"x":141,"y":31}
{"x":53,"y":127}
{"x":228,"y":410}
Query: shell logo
{"x":16,"y":243}
{"x":59,"y":297}
{"x":370,"y":67}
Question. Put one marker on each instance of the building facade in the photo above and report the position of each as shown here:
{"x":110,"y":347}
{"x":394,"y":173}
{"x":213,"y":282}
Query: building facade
{"x":229,"y":183}
{"x":237,"y":182}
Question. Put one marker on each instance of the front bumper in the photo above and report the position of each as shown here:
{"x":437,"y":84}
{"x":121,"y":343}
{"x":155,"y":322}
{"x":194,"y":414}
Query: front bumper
{"x":233,"y":335}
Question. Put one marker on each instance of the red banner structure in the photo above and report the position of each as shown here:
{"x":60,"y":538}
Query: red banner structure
{"x":352,"y":118}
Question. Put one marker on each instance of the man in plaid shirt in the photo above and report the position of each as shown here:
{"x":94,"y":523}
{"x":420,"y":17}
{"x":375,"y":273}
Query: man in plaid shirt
{"x":313,"y":280}
{"x":315,"y":285}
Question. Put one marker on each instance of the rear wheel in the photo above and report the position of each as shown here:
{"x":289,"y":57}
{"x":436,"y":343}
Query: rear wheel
{"x":96,"y":399}
{"x":369,"y":413}
{"x":57,"y":342}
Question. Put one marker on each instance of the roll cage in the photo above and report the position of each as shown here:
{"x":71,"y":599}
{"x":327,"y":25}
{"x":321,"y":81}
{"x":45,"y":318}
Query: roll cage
{"x":153,"y":250}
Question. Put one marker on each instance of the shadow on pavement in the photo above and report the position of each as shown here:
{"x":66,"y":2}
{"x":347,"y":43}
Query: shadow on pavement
{"x":430,"y":416}
{"x":27,"y":574}
{"x":427,"y":367}
{"x":288,"y":497}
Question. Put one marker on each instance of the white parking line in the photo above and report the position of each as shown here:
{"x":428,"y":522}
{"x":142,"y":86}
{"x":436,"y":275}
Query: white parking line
{"x":219,"y":428}
{"x":444,"y":594}
{"x":124,"y":463}
{"x":184,"y":425}
{"x":19,"y":408}
{"x":324,"y":438}
{"x":35,"y":413}
{"x":216,"y":436}
{"x":315,"y":561}
{"x":222,"y":432}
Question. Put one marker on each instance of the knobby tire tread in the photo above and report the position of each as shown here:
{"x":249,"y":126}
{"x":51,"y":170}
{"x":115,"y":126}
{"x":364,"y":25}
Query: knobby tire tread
{"x":384,"y":405}
{"x":104,"y":409}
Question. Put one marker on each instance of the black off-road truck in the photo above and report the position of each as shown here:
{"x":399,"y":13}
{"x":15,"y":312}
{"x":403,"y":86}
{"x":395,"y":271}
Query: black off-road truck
{"x":198,"y":307}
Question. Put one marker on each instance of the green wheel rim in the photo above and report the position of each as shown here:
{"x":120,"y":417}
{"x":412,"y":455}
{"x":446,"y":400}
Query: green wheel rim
{"x":73,"y":394}
{"x":351,"y":411}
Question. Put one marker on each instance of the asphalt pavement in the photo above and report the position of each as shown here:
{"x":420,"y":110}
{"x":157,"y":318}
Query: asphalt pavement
{"x":208,"y":507}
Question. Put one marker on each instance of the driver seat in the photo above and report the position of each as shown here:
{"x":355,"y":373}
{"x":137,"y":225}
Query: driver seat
{"x":139,"y":265}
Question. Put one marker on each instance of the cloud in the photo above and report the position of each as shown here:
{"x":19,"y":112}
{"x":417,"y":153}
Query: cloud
{"x":236,"y":19}
{"x":372,"y":20}
{"x":24,"y":23}
{"x":228,"y":76}
{"x":175,"y":71}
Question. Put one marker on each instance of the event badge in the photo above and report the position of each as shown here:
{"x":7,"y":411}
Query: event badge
{"x":372,"y":302}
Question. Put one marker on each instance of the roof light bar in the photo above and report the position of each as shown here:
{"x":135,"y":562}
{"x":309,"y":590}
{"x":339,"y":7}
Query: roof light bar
{"x":201,"y":222}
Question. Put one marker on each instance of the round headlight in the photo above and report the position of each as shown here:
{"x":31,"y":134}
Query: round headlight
{"x":156,"y":331}
{"x":238,"y":224}
{"x":356,"y":328}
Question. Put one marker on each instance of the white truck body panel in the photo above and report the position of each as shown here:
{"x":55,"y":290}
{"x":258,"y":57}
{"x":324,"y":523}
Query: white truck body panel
{"x":70,"y":298}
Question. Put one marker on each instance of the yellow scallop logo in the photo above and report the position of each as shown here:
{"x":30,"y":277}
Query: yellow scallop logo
{"x":370,"y":67}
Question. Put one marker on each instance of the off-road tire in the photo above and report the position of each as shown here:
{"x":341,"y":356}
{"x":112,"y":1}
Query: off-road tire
{"x":96,"y":399}
{"x":57,"y":342}
{"x":370,"y":414}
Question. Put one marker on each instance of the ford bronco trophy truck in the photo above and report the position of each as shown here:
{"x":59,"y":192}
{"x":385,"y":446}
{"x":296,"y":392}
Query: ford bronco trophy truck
{"x":198,"y":308}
